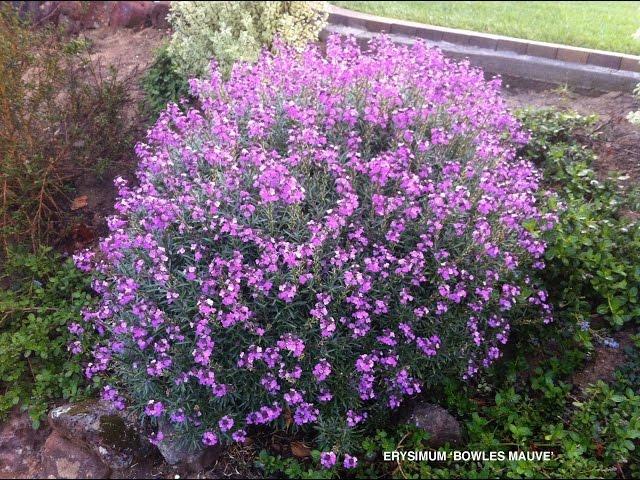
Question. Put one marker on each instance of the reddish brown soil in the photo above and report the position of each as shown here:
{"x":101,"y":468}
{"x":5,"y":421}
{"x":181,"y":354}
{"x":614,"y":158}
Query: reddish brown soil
{"x":618,"y":142}
{"x":130,"y":53}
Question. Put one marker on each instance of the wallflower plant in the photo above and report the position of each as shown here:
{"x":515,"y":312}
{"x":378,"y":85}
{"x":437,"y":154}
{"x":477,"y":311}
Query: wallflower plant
{"x":322,"y":238}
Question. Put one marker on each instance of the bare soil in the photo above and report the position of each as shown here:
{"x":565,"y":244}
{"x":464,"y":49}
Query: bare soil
{"x":603,"y":363}
{"x":130,"y":53}
{"x":618,"y":141}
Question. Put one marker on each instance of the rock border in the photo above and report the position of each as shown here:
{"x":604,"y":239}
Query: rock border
{"x":547,"y":62}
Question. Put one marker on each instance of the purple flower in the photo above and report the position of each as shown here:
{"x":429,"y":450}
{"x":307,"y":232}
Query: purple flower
{"x":156,"y":438}
{"x":325,"y":396}
{"x":293,"y":397}
{"x":239,"y":436}
{"x":350,"y":462}
{"x":75,"y":347}
{"x":111,"y":395}
{"x":287,"y":292}
{"x":75,"y":329}
{"x":270,"y":383}
{"x":305,"y":413}
{"x":225,"y":423}
{"x":154,"y":409}
{"x":292,"y":344}
{"x":178,"y":416}
{"x":209,"y":439}
{"x":354,"y":418}
{"x":322,"y":370}
{"x":328,"y":459}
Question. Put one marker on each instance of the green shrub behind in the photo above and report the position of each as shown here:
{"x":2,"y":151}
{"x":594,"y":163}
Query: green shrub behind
{"x":230,"y":31}
{"x":163,"y":84}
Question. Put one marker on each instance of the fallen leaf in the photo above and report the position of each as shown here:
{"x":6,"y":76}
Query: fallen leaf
{"x":300,"y":450}
{"x":79,"y":202}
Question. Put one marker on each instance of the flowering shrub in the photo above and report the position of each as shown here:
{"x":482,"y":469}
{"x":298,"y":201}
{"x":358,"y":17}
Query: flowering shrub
{"x":323,"y":238}
{"x":230,"y":31}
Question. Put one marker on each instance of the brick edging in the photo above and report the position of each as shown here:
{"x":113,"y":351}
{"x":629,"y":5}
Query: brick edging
{"x":550,"y":51}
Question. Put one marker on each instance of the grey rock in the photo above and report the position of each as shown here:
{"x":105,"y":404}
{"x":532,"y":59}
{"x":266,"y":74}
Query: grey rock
{"x":101,"y":429}
{"x":179,"y":453}
{"x":440,"y":424}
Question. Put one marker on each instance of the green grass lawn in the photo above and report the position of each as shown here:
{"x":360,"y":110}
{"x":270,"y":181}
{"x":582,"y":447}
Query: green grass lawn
{"x":600,"y":25}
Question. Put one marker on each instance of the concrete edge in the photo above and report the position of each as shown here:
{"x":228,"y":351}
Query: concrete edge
{"x":585,"y":76}
{"x":550,"y":51}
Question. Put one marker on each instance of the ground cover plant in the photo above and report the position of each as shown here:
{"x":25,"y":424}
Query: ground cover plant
{"x":37,"y":312}
{"x":600,"y":25}
{"x":309,"y":248}
{"x":594,"y":250}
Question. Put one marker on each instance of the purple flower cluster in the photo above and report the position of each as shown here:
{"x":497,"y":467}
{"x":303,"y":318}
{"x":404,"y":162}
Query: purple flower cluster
{"x":323,"y":231}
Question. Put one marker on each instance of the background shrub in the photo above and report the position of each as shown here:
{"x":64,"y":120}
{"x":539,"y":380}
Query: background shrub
{"x":163,"y":84}
{"x":60,"y":116}
{"x":327,"y":236}
{"x":230,"y":31}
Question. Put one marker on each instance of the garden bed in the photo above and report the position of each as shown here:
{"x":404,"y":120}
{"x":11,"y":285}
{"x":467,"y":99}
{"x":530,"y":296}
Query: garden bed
{"x":618,"y":150}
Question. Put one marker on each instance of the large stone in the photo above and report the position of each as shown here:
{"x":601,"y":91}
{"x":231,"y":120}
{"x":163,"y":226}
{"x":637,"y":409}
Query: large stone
{"x":131,"y":15}
{"x":64,"y":459}
{"x":179,"y":453}
{"x":441,"y":425}
{"x":77,"y":16}
{"x":101,"y":428}
{"x":19,"y":446}
{"x":159,"y":15}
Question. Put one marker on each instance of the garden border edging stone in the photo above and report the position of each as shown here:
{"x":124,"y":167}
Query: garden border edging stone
{"x":546,"y":62}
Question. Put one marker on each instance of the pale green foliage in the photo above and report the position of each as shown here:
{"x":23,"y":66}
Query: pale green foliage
{"x":231,"y":31}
